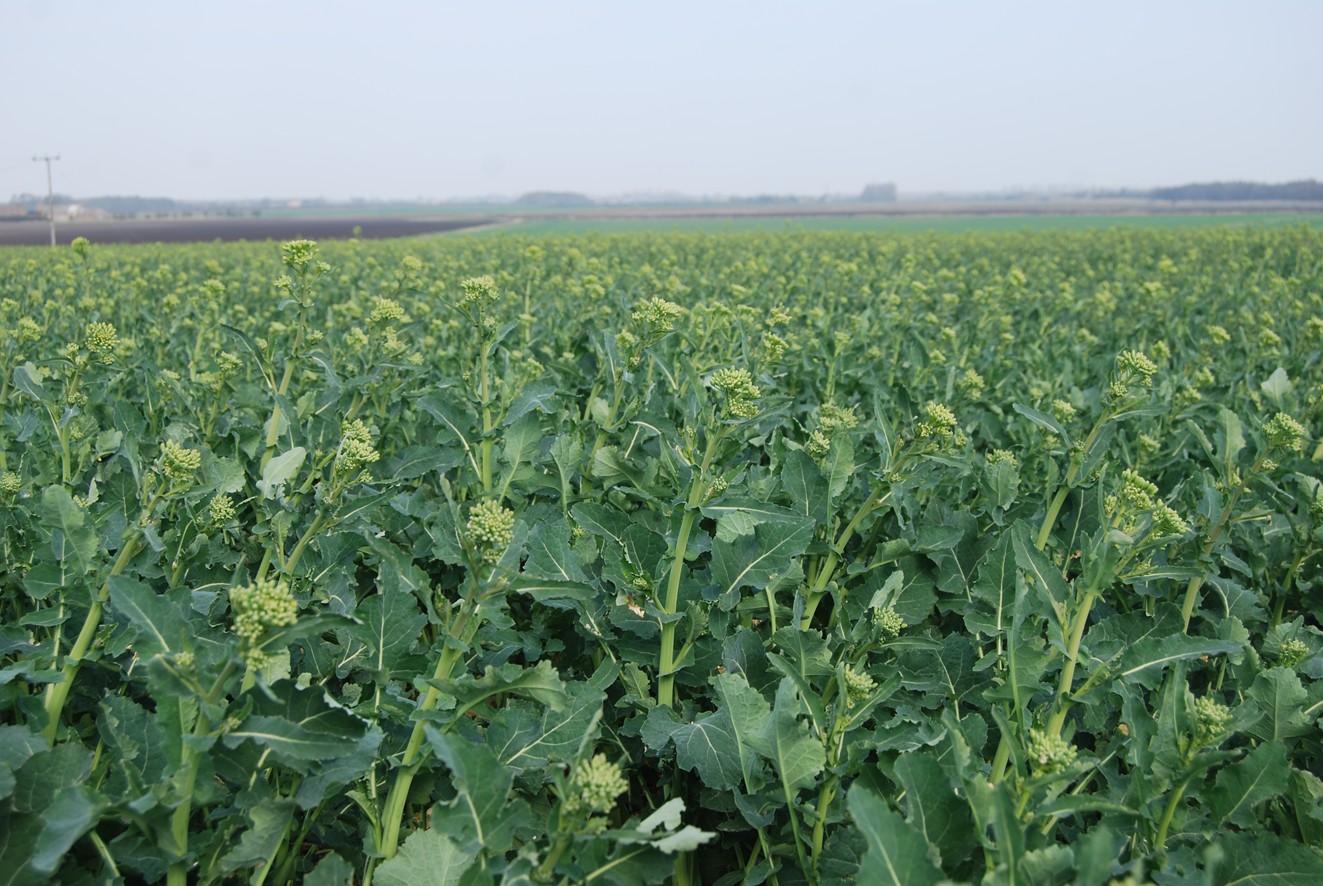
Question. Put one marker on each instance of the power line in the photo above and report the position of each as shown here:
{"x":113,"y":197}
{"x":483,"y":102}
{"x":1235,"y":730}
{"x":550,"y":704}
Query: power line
{"x":50,"y":191}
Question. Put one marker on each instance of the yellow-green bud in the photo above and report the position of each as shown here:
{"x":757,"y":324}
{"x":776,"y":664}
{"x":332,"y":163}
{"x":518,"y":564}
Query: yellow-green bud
{"x":491,"y":528}
{"x":221,"y":509}
{"x":1292,"y":653}
{"x":259,"y":607}
{"x":594,"y":786}
{"x":1284,"y":432}
{"x":1049,"y":753}
{"x":177,"y":463}
{"x":859,"y":686}
{"x":1211,"y":719}
{"x":101,"y":340}
{"x":888,"y":622}
{"x":940,"y":421}
{"x":10,"y":483}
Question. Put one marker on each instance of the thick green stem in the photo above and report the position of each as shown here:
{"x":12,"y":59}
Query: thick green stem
{"x":273,"y":427}
{"x":58,"y":693}
{"x":666,"y":656}
{"x":825,"y":798}
{"x":393,"y":815}
{"x":1164,"y":825}
{"x":828,"y":569}
{"x":1192,"y":589}
{"x":1072,"y":657}
{"x":1050,"y":518}
{"x":485,"y":395}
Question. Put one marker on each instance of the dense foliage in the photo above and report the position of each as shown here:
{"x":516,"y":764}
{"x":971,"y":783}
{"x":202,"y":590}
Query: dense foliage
{"x":761,"y":558}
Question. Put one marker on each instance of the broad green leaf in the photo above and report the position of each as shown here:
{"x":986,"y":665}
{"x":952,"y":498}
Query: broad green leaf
{"x":1095,"y":855}
{"x":747,"y":711}
{"x":840,"y":465}
{"x":550,"y":555}
{"x":418,"y":461}
{"x":1001,"y":483}
{"x":45,"y":774}
{"x":478,"y":817}
{"x":303,"y":728}
{"x":540,"y":683}
{"x":279,"y":471}
{"x":1144,"y":661}
{"x":948,"y":671}
{"x":1277,"y":387}
{"x":158,"y":619}
{"x":1279,"y":697}
{"x":391,"y":625}
{"x":425,"y":859}
{"x":530,"y":737}
{"x":1247,"y":783}
{"x":934,"y":809}
{"x":1230,"y":440}
{"x":267,"y":826}
{"x":1043,"y":420}
{"x":785,"y":741}
{"x":73,"y":812}
{"x":994,"y":587}
{"x":807,"y":488}
{"x":1043,"y":577}
{"x":1264,"y":859}
{"x":17,"y":745}
{"x":27,"y":378}
{"x":757,"y":559}
{"x":73,"y":543}
{"x":20,"y":839}
{"x":897,"y":853}
{"x":332,"y":870}
{"x":708,"y":745}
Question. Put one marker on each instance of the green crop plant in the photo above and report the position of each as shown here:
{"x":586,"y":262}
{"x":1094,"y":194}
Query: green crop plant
{"x":765,"y":557}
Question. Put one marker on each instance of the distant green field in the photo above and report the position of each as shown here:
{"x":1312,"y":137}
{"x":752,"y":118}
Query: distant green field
{"x":898,"y":225}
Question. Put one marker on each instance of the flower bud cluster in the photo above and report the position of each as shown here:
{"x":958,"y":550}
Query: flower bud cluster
{"x":211,"y":290}
{"x":28,"y":330}
{"x":1211,"y":720}
{"x":491,"y":528}
{"x":1062,"y":410}
{"x":1284,"y":432}
{"x":1132,"y":368}
{"x":298,"y":254}
{"x":654,"y":318}
{"x":774,"y":347}
{"x":101,"y":341}
{"x":739,"y":391}
{"x":888,"y":622}
{"x":385,"y":311}
{"x":356,"y":450}
{"x":10,"y":484}
{"x":479,"y":292}
{"x":971,"y":384}
{"x":939,"y":424}
{"x":1292,"y":652}
{"x":220,"y":510}
{"x":859,"y":686}
{"x":177,"y":463}
{"x":259,"y":608}
{"x":594,"y":786}
{"x":1002,"y":457}
{"x":1049,"y":753}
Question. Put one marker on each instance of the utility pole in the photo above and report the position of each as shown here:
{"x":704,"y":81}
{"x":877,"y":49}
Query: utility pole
{"x":50,"y":192}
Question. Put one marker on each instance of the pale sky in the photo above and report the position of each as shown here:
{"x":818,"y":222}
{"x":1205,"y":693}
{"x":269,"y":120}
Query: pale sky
{"x":200,"y":99}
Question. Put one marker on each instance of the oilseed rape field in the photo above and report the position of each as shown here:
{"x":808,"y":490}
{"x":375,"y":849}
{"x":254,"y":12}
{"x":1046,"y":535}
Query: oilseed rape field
{"x":779,"y":558}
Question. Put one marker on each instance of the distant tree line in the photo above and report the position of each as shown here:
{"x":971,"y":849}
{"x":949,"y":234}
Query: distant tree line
{"x":1307,"y":189}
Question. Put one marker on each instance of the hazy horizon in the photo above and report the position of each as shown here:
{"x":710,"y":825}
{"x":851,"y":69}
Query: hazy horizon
{"x":412,"y":100}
